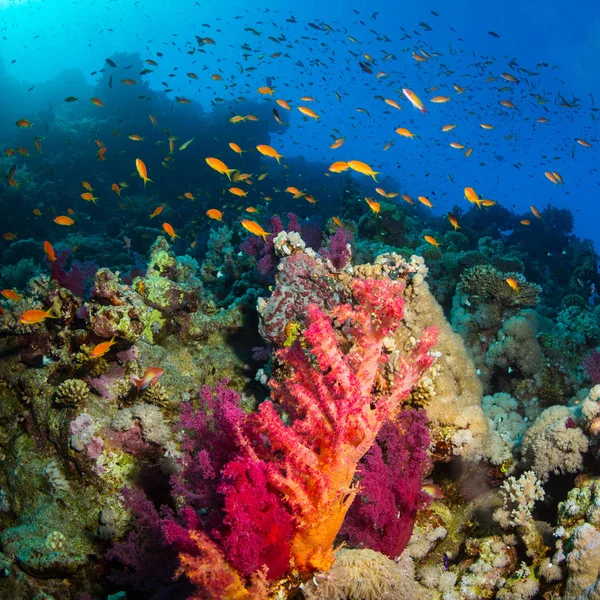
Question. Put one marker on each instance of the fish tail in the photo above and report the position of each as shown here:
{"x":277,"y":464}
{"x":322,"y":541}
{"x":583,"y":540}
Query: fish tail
{"x":423,"y":110}
{"x":137,"y":381}
{"x":228,"y":173}
{"x":373,"y":176}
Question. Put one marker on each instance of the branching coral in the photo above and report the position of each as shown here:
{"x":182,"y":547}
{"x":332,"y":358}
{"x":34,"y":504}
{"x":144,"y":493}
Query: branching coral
{"x":483,"y":282}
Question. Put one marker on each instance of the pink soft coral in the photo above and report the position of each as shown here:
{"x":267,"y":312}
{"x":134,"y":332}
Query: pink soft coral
{"x":330,"y":392}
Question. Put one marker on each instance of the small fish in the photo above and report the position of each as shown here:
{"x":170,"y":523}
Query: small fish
{"x":71,"y":99}
{"x":11,"y":295}
{"x":414,"y":100}
{"x":373,"y":205}
{"x":453,"y":221}
{"x":265,"y":90}
{"x":150,"y":377}
{"x":424,"y":200}
{"x":157,"y":211}
{"x":89,"y":197}
{"x":255,"y":228}
{"x":142,"y":171}
{"x":363,"y":168}
{"x":440,"y":99}
{"x":236,"y":191}
{"x":116,"y":189}
{"x":236,"y":148}
{"x":31,"y":317}
{"x":431,"y":240}
{"x":186,"y":144}
{"x":214,"y":213}
{"x":102,"y":348}
{"x":268,"y":151}
{"x":96,"y":101}
{"x":525,"y":222}
{"x":337,"y":143}
{"x":284,"y":104}
{"x":62,"y":220}
{"x":167,"y":228}
{"x":220,"y":167}
{"x":512,"y":283}
{"x":339,"y":167}
{"x":535,"y":211}
{"x":24,"y":123}
{"x":87,"y":186}
{"x":49,"y":251}
{"x":9,"y":236}
{"x":405,"y":132}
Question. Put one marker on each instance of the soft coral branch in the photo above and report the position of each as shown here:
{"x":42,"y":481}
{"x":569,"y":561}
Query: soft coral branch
{"x":337,"y":413}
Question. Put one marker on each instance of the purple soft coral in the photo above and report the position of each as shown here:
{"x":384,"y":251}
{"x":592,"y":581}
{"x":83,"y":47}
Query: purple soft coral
{"x":383,"y":515}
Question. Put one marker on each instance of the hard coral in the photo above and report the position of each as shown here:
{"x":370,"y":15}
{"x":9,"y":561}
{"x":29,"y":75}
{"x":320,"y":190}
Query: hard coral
{"x":483,"y":282}
{"x":71,"y":392}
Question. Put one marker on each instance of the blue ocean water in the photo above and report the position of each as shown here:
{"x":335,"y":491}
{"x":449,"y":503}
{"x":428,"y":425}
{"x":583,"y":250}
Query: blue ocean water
{"x":551,"y":48}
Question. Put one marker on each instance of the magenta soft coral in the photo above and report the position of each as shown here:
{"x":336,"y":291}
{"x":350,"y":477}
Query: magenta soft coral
{"x":382,"y":516}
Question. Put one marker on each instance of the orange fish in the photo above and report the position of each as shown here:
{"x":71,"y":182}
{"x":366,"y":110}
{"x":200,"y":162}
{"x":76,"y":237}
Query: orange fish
{"x":251,"y":209}
{"x":9,"y":152}
{"x":453,"y":221}
{"x":583,"y":143}
{"x":512,"y":283}
{"x":431,"y":240}
{"x":87,"y":186}
{"x":23,"y":123}
{"x":373,"y":205}
{"x":407,"y":198}
{"x":116,"y":189}
{"x":135,"y":137}
{"x":337,"y":221}
{"x":49,"y":250}
{"x":363,"y":168}
{"x":265,"y":90}
{"x":339,"y":166}
{"x":424,"y":200}
{"x":142,"y":171}
{"x":37,"y":212}
{"x":102,"y":348}
{"x":392,"y":103}
{"x":11,"y":295}
{"x":101,"y":154}
{"x":507,"y":103}
{"x":157,"y":211}
{"x":152,"y":119}
{"x":255,"y":228}
{"x":268,"y":151}
{"x":448,"y":127}
{"x":440,"y":99}
{"x":236,"y":148}
{"x":220,"y":167}
{"x":414,"y":100}
{"x":214,"y":213}
{"x":337,"y":143}
{"x":23,"y":151}
{"x":150,"y":377}
{"x":167,"y":228}
{"x":486,"y":126}
{"x":535,"y":211}
{"x":468,"y":152}
{"x":525,"y":222}
{"x":457,"y":145}
{"x":405,"y":132}
{"x":97,"y":101}
{"x":551,"y":177}
{"x":307,"y":99}
{"x":237,"y":119}
{"x":31,"y":317}
{"x":284,"y":104}
{"x":128,"y":81}
{"x":295,"y":191}
{"x":62,"y":220}
{"x":236,"y":191}
{"x":89,"y":197}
